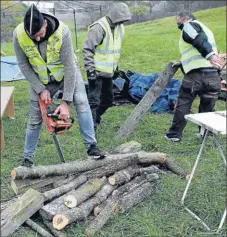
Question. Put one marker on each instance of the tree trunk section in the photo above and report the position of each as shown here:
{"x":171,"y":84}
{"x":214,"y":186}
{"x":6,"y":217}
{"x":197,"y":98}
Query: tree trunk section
{"x":60,"y":221}
{"x":53,"y":231}
{"x":49,"y":195}
{"x":20,"y":211}
{"x":144,"y":105}
{"x":20,"y":186}
{"x":64,"y":181}
{"x":67,"y":168}
{"x":80,"y":195}
{"x":38,"y":229}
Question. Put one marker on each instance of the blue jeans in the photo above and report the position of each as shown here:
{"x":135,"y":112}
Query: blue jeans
{"x":82,"y":108}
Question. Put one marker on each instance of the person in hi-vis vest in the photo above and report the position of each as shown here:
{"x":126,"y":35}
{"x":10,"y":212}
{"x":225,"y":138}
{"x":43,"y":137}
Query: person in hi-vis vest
{"x":101,"y":53}
{"x":44,"y":51}
{"x":200,"y":64}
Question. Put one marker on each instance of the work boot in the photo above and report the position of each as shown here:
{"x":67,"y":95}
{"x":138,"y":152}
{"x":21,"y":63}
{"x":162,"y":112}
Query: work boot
{"x":172,"y":138}
{"x":95,"y":153}
{"x":27,"y":162}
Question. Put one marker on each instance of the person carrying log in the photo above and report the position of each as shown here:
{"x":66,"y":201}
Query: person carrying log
{"x":101,"y":53}
{"x":200,"y":64}
{"x":44,"y":51}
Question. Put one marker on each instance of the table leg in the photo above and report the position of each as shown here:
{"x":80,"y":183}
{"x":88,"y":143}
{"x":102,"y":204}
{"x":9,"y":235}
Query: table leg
{"x":10,"y":108}
{"x":220,"y":148}
{"x":2,"y":136}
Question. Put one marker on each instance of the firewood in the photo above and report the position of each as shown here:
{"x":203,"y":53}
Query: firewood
{"x":67,"y":168}
{"x":38,"y":229}
{"x":64,"y":181}
{"x":65,"y":188}
{"x":20,"y":186}
{"x":116,"y":204}
{"x":20,"y":211}
{"x":53,"y":231}
{"x":149,"y":98}
{"x":99,"y":208}
{"x":128,"y":147}
{"x":60,"y":221}
{"x":79,"y":195}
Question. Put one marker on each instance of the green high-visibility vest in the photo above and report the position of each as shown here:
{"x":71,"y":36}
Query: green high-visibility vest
{"x":54,"y":64}
{"x":107,"y":54}
{"x":190,"y":56}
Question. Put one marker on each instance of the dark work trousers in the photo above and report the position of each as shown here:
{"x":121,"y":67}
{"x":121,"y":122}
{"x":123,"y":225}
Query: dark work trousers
{"x":206,"y":84}
{"x":100,"y":97}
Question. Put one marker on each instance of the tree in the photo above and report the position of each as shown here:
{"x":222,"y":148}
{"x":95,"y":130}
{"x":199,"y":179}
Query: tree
{"x":138,"y":11}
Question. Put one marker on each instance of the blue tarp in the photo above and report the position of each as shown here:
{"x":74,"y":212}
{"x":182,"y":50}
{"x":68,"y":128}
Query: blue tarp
{"x":10,"y":70}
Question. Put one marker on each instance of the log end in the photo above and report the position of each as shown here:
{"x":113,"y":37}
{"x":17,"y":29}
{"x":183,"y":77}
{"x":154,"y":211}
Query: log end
{"x":70,"y":201}
{"x":60,"y":221}
{"x":13,"y":174}
{"x":112,"y":180}
{"x":97,"y":210}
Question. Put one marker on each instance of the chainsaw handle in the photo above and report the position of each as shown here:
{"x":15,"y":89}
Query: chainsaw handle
{"x":56,"y":116}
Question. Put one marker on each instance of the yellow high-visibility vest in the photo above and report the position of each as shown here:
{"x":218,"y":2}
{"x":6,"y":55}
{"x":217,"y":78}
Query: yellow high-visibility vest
{"x":54,"y":64}
{"x":107,"y":54}
{"x":190,"y":56}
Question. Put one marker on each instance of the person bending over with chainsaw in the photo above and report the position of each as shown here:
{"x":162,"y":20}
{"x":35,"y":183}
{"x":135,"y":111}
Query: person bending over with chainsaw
{"x":101,"y":52}
{"x":200,"y":63}
{"x":44,"y":51}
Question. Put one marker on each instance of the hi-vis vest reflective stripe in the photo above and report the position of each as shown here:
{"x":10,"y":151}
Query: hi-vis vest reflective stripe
{"x":190,"y":56}
{"x":108,"y":53}
{"x":54,"y":64}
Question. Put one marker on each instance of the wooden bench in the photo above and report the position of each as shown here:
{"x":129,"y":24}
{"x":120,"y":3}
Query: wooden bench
{"x":7,"y":105}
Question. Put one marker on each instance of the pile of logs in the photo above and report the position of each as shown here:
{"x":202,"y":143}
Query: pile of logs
{"x":66,"y":193}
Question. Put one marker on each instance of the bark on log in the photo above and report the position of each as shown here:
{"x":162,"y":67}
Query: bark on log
{"x":67,"y":168}
{"x":144,"y":105}
{"x":65,"y":188}
{"x":60,"y":221}
{"x":53,"y":231}
{"x":99,"y":208}
{"x":116,"y":204}
{"x":38,"y":229}
{"x":20,"y":186}
{"x":20,"y":211}
{"x":128,"y":147}
{"x":79,"y":195}
{"x":64,"y":181}
{"x":171,"y":165}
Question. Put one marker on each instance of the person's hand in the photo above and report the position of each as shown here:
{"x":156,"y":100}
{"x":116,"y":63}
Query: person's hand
{"x":176,"y":64}
{"x":215,"y":61}
{"x":91,"y":75}
{"x":45,"y":96}
{"x":63,"y":110}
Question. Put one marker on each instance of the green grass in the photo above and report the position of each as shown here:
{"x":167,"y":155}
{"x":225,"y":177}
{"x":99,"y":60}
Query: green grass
{"x":147,"y":48}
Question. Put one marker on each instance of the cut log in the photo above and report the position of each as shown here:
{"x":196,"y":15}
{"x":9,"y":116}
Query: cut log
{"x":119,"y":203}
{"x":99,"y":208}
{"x":67,"y":168}
{"x":128,"y":147}
{"x":78,"y":196}
{"x":176,"y":169}
{"x":20,"y":186}
{"x":60,"y":221}
{"x":20,"y":211}
{"x":38,"y":229}
{"x":49,"y":195}
{"x":53,"y":231}
{"x":144,"y":105}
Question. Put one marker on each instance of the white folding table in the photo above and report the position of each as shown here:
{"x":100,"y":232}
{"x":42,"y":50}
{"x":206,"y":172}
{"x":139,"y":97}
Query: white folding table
{"x":214,"y":122}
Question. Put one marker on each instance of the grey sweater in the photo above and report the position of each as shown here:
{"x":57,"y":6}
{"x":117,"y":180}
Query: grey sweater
{"x":71,"y":69}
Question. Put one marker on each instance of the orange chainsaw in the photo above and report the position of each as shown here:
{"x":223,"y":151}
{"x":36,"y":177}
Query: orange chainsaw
{"x":53,"y":124}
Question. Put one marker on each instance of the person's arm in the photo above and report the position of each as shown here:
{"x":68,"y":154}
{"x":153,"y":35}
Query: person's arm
{"x":94,"y":38}
{"x":193,"y":34}
{"x":26,"y":67}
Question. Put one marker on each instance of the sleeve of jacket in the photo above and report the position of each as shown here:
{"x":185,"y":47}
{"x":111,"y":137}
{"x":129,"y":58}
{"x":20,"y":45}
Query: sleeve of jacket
{"x":71,"y":68}
{"x":193,"y":34}
{"x":26,"y":67}
{"x":94,"y":38}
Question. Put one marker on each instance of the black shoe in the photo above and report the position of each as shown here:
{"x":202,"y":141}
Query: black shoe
{"x":172,"y":139}
{"x":27,"y":163}
{"x":95,"y":153}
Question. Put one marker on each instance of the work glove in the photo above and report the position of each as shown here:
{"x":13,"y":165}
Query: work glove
{"x":176,"y":64}
{"x":91,"y":75}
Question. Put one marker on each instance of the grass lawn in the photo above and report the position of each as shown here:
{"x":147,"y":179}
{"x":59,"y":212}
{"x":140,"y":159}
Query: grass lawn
{"x":147,"y":48}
